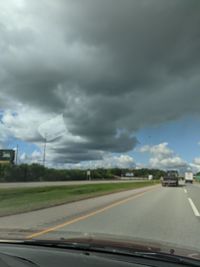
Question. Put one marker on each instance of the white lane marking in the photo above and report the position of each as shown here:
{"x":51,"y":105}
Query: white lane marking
{"x":185,"y":191}
{"x":195,"y":210}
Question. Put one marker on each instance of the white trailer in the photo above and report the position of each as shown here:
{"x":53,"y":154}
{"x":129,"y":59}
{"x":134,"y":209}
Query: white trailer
{"x":189,"y":177}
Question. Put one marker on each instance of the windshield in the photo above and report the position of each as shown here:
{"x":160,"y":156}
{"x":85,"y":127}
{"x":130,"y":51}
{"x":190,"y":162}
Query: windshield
{"x":99,"y":120}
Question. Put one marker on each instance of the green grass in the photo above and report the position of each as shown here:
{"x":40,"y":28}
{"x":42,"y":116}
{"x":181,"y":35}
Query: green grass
{"x":18,"y":200}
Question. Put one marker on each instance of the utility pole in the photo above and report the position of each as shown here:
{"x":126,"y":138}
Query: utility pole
{"x":89,"y":175}
{"x":16,"y":157}
{"x":44,"y":153}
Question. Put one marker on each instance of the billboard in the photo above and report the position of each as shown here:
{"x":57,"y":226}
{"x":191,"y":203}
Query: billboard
{"x":7,"y":156}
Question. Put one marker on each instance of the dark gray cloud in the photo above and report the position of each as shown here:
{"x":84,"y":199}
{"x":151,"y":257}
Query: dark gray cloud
{"x":110,"y":66}
{"x":66,"y":157}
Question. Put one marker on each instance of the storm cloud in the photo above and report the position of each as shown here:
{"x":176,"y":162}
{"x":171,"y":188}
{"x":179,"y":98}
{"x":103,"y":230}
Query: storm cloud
{"x":110,"y":67}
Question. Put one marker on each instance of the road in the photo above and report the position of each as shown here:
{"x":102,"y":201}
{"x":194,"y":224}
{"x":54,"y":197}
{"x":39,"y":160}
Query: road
{"x":166,"y":214}
{"x":61,"y":183}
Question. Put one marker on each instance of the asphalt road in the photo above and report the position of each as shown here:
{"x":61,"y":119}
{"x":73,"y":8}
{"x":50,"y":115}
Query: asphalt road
{"x":168,"y":214}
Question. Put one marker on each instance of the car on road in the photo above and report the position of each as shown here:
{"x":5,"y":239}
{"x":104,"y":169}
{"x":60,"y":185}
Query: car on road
{"x":170,"y":179}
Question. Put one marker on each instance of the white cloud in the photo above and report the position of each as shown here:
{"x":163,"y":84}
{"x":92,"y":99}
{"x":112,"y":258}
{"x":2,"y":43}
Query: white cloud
{"x":3,"y":133}
{"x":34,"y":157}
{"x":122,"y":161}
{"x":196,"y":161}
{"x":23,"y":123}
{"x":23,"y":157}
{"x":195,"y":165}
{"x":161,"y":150}
{"x":108,"y":161}
{"x":163,"y":157}
{"x":168,"y":163}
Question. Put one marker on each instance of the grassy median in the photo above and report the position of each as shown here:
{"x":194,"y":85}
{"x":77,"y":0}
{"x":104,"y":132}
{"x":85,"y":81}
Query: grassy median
{"x":18,"y":200}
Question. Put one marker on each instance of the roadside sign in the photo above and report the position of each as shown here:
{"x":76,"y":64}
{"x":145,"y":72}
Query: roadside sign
{"x":150,"y":177}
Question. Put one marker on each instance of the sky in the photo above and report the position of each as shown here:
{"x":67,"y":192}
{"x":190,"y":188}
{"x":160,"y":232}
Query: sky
{"x":122,"y":74}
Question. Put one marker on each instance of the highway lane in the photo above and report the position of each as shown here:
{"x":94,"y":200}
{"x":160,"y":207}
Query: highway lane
{"x":160,"y":214}
{"x":164,"y":215}
{"x":45,"y":218}
{"x":193,"y":192}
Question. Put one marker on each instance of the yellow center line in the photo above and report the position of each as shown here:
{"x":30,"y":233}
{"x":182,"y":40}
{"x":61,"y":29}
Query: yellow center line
{"x":80,"y":218}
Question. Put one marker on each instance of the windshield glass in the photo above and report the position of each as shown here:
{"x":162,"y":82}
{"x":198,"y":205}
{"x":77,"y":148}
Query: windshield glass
{"x":99,"y":120}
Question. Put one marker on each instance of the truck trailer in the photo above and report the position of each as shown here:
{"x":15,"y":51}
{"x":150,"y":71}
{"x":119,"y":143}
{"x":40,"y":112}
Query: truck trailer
{"x":189,"y":177}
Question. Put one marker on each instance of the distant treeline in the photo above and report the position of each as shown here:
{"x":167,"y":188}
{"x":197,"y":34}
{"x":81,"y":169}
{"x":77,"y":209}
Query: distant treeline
{"x":36,"y":172}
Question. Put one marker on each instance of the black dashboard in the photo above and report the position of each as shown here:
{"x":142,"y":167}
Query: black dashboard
{"x":18,"y":255}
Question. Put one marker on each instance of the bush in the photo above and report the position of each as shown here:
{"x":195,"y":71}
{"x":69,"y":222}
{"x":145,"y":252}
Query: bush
{"x":37,"y":172}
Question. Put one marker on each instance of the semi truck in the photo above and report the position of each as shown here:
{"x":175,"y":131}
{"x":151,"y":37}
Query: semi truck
{"x":170,"y":179}
{"x":189,"y":177}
